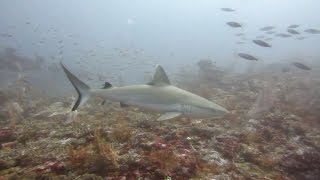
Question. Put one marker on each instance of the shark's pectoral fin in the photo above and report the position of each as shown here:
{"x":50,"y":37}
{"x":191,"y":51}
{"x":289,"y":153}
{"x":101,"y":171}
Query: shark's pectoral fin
{"x":103,"y":102}
{"x":169,"y":115}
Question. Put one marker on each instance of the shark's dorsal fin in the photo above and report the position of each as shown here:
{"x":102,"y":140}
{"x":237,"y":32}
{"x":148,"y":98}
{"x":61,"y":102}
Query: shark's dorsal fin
{"x":106,"y":85}
{"x":160,"y":78}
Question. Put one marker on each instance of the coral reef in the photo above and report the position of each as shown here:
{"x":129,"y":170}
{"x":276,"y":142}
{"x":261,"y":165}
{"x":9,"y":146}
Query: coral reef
{"x":97,"y":157}
{"x":278,"y":139}
{"x":304,"y":164}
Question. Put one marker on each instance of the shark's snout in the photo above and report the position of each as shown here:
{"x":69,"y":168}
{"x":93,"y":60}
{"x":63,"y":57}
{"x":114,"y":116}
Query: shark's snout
{"x":221,"y":110}
{"x":225,"y":111}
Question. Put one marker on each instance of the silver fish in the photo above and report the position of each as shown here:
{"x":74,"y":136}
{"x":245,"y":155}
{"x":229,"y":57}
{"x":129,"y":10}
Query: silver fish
{"x":283,"y":35}
{"x":228,"y":9}
{"x":266,"y":28}
{"x":292,"y":31}
{"x":301,"y":38}
{"x":239,"y":34}
{"x":270,"y":32}
{"x":268,"y":39}
{"x":261,"y":43}
{"x":247,"y":57}
{"x":301,"y":66}
{"x":234,"y":24}
{"x":260,"y":37}
{"x":293,"y":26}
{"x":312,"y":31}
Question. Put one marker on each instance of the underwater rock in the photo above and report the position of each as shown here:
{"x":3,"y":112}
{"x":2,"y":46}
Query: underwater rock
{"x":221,"y":177}
{"x":3,"y":164}
{"x":253,"y":122}
{"x":266,"y":134}
{"x":121,"y":132}
{"x":146,"y":124}
{"x":228,"y":146}
{"x":6,"y":134}
{"x":264,"y":102}
{"x":24,"y":160}
{"x":9,"y":144}
{"x":16,"y":106}
{"x":305,"y":165}
{"x":215,"y":158}
{"x":54,"y":109}
{"x":3,"y":98}
{"x":92,"y":177}
{"x":277,"y":144}
{"x":51,"y":166}
{"x":204,"y":133}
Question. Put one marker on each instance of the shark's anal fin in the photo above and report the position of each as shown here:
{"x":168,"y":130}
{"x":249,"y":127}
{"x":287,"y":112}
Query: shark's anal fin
{"x":123,"y":105}
{"x":169,"y":115}
{"x":160,"y":78}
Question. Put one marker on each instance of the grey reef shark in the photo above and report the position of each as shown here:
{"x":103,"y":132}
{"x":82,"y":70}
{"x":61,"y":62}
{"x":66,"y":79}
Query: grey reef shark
{"x":158,"y":96}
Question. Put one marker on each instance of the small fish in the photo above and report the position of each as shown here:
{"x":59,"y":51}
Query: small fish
{"x":301,"y":66}
{"x":240,"y":42}
{"x":292,"y":31}
{"x":268,"y":39}
{"x":270,"y":32}
{"x":247,"y":57}
{"x":227,"y":9}
{"x":260,"y":37}
{"x":312,"y":31}
{"x":301,"y":38}
{"x":293,"y":26}
{"x":239,"y":34}
{"x":285,"y":69}
{"x":266,"y":28}
{"x":5,"y":35}
{"x":261,"y":43}
{"x":234,"y":24}
{"x":283,"y":35}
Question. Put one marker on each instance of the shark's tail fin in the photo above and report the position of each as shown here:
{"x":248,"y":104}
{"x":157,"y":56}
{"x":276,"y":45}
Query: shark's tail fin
{"x":82,"y":88}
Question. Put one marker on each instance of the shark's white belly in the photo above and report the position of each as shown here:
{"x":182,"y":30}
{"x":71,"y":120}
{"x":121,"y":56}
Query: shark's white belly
{"x":185,"y":110}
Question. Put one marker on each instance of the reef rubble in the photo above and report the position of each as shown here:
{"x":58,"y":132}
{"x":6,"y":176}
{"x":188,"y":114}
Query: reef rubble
{"x":40,"y":139}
